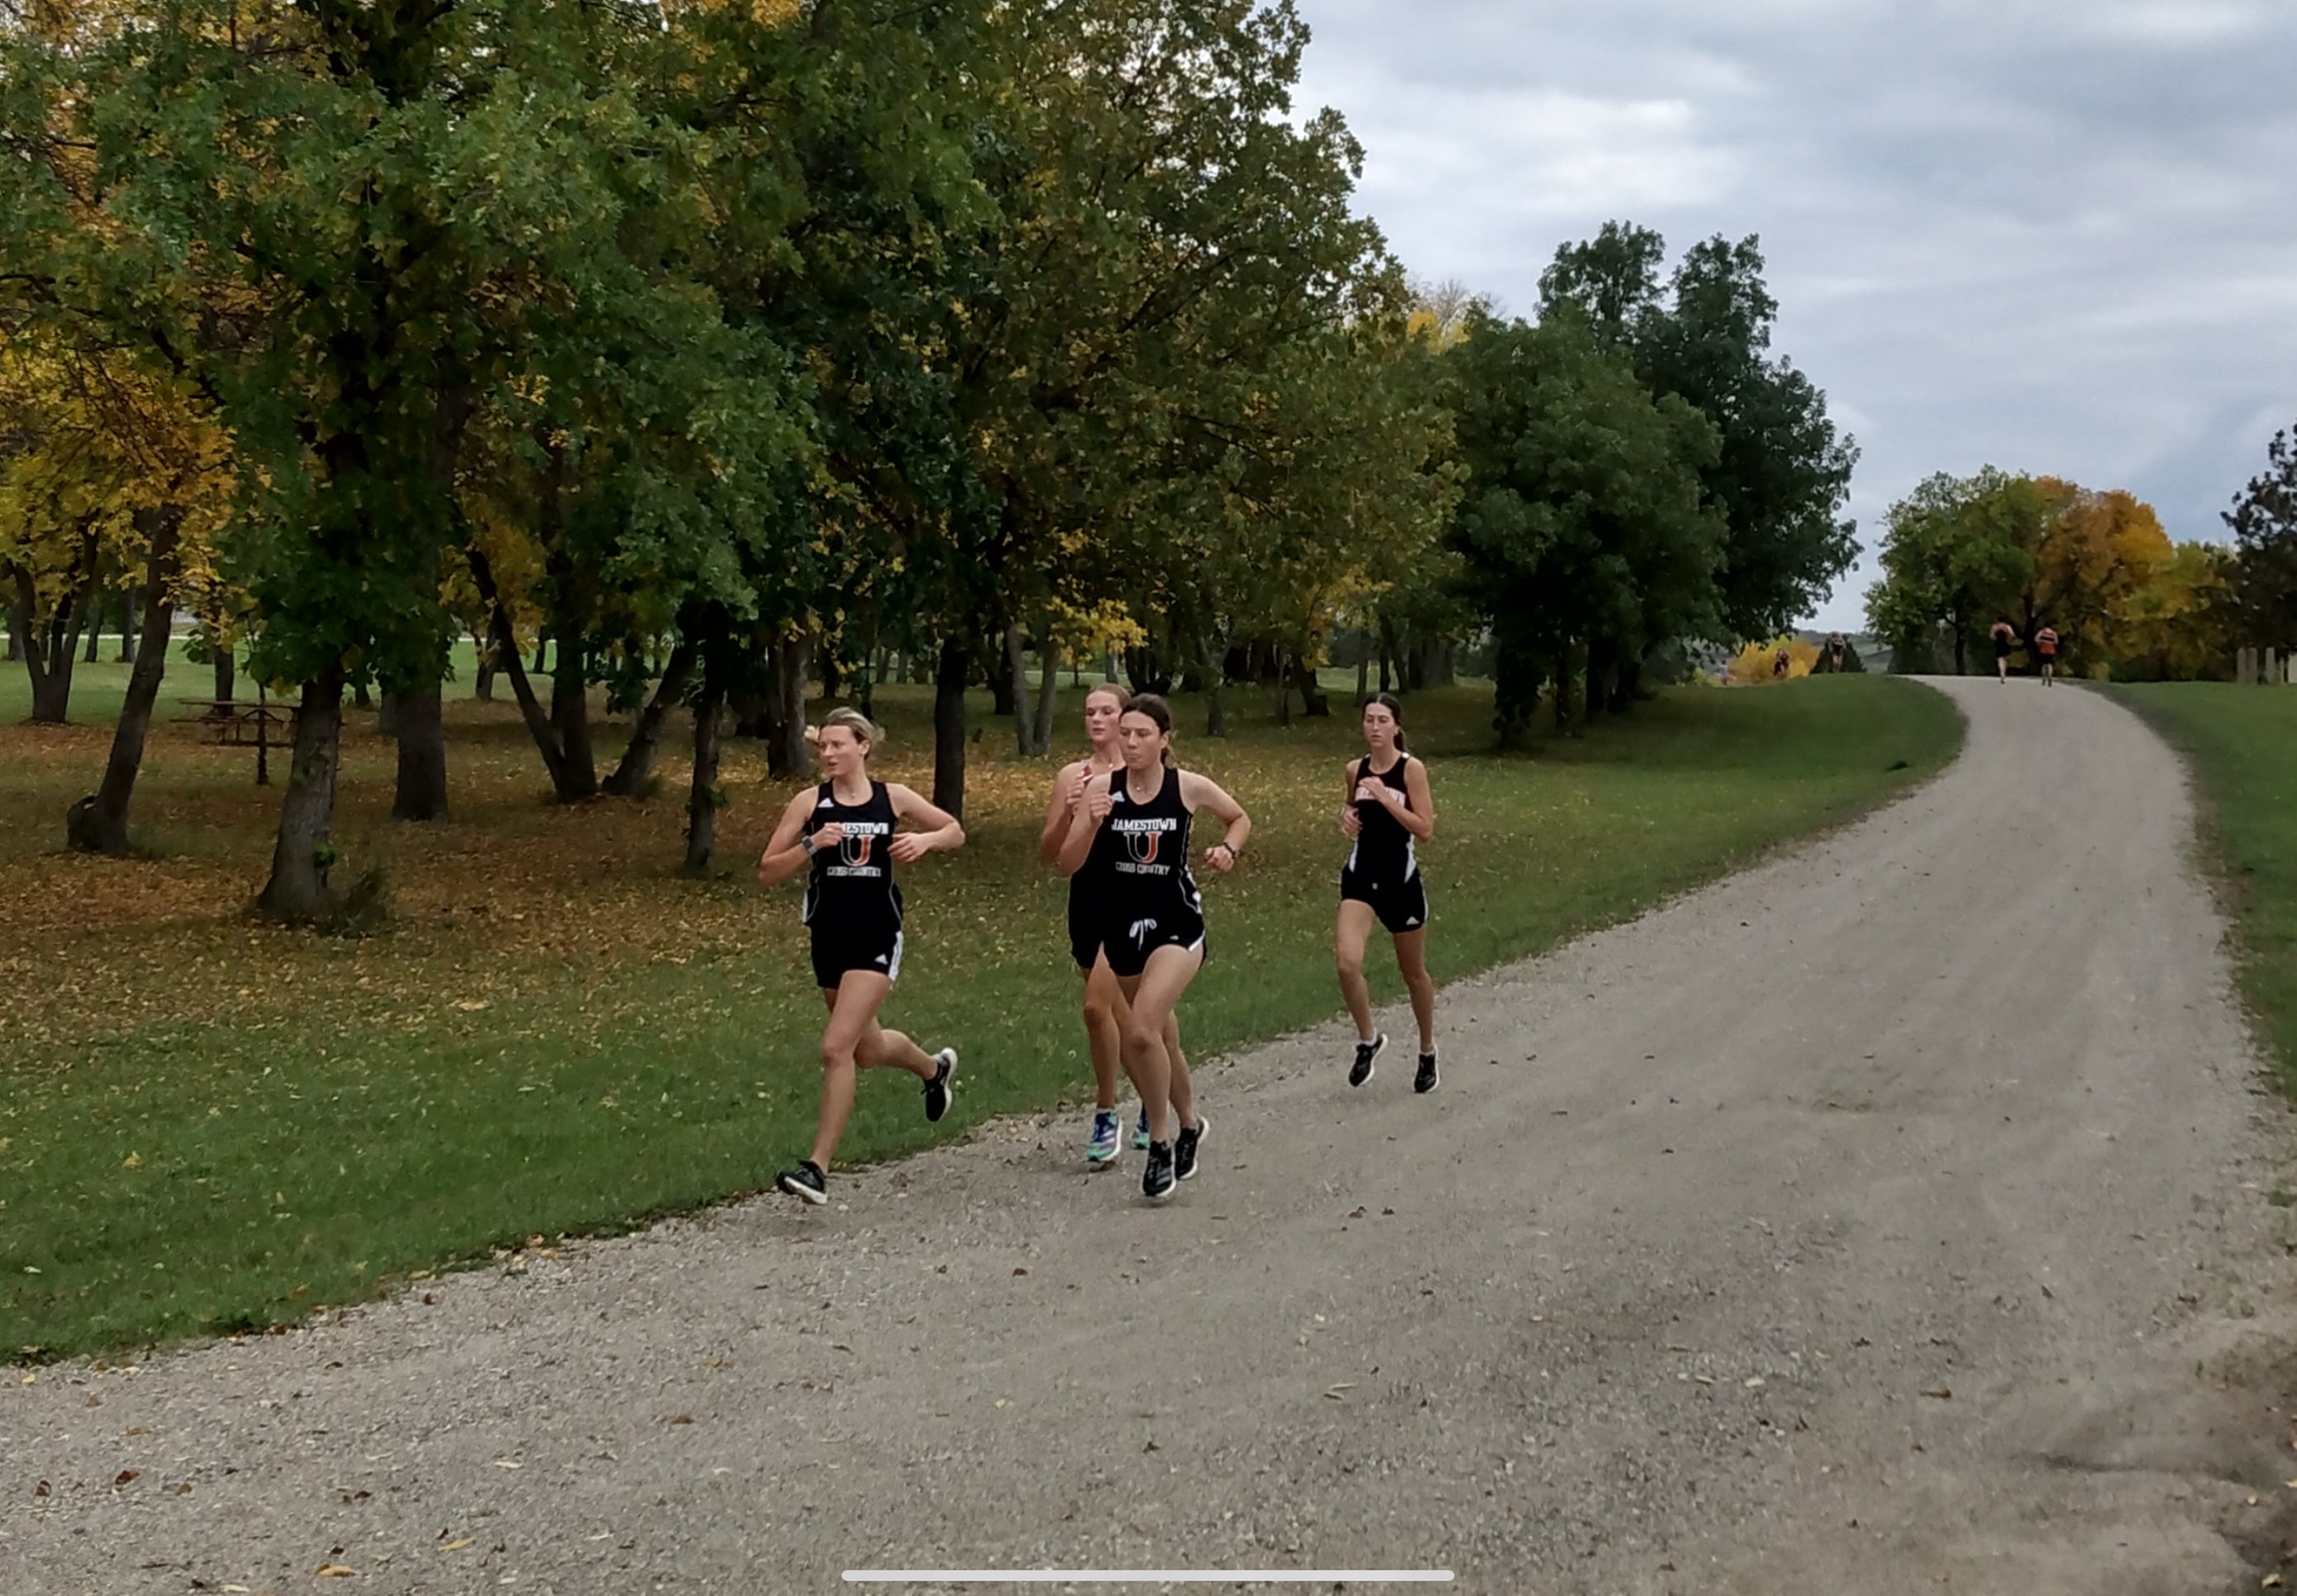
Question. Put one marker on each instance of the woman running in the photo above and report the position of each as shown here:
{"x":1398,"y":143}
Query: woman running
{"x":1132,"y":825}
{"x":846,"y":831}
{"x":1104,"y":1004}
{"x":1385,"y":810}
{"x":2005,"y":639}
{"x":2046,"y":651}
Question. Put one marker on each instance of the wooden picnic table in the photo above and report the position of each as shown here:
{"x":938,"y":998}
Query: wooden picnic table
{"x":241,"y":722}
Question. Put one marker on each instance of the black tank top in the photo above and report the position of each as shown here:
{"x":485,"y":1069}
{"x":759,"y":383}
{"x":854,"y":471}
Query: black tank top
{"x":1141,"y":853}
{"x":851,"y":884}
{"x":1088,"y":885}
{"x":1383,"y":850}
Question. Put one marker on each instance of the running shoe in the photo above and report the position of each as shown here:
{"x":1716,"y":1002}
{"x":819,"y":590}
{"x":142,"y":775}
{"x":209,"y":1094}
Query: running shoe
{"x":1184,"y":1149}
{"x":1141,"y":1130}
{"x":937,"y":1090}
{"x":1366,"y":1052}
{"x":805,"y":1181}
{"x":1425,"y":1079}
{"x":1103,"y":1145}
{"x":1157,"y":1179}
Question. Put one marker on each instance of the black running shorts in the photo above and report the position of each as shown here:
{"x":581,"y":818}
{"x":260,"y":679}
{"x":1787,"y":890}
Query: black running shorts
{"x":1400,"y":904}
{"x":876,"y":950}
{"x":1128,"y":946}
{"x":1084,"y":936}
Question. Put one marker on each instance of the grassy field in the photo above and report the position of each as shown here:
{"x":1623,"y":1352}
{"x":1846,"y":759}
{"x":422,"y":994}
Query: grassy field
{"x":210,"y":1124}
{"x":2242,"y":742}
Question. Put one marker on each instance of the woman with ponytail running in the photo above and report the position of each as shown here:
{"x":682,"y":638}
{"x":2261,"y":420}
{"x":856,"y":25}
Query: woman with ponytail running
{"x":1386,"y":812}
{"x":1104,"y":1004}
{"x":845,"y":834}
{"x":1132,"y":826}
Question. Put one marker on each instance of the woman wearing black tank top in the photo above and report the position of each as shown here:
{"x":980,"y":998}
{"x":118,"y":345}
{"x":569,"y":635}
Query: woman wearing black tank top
{"x":845,"y":834}
{"x":1386,"y":812}
{"x":1132,"y":827}
{"x":1104,"y":1004}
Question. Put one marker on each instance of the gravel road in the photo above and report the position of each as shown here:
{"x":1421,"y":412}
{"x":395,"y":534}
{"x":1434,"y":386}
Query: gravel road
{"x":1892,"y":1216}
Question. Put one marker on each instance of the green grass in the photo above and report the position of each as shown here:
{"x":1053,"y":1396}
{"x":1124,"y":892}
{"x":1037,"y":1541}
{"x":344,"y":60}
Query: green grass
{"x":2242,"y":745}
{"x":416,"y":1101}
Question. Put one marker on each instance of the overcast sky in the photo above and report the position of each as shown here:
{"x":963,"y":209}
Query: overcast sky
{"x":2057,"y":237}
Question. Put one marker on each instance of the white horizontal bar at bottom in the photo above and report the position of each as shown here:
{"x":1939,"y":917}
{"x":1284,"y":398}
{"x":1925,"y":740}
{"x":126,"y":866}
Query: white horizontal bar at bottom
{"x":1147,"y":1576}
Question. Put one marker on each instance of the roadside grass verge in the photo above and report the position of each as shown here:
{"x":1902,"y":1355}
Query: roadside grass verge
{"x":211,"y":1125}
{"x":2241,"y":743}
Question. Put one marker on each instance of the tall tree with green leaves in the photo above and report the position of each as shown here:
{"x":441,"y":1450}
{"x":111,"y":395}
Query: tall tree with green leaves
{"x":1582,"y":519}
{"x":1781,"y":472}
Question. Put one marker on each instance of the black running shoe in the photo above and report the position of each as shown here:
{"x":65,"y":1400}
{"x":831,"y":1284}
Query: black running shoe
{"x":806,"y":1181}
{"x":1157,"y":1179}
{"x":1184,"y":1149}
{"x":937,"y":1089}
{"x":1425,"y":1079}
{"x":1366,"y":1052}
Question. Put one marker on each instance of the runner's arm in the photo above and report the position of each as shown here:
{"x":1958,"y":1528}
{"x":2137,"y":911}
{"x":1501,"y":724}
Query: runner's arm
{"x":1056,"y":818}
{"x":1350,"y":822}
{"x":783,"y":857}
{"x":938,"y":831}
{"x":1204,"y":795}
{"x":1419,"y":819}
{"x":1077,"y":846}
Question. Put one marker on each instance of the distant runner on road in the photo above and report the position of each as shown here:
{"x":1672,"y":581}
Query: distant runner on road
{"x":1133,"y":824}
{"x":2005,"y":639}
{"x":844,"y":834}
{"x":1386,"y":812}
{"x":2045,"y":648}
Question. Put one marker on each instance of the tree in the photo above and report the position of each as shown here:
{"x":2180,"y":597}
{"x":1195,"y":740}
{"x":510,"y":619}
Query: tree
{"x":2264,"y":524}
{"x":2096,"y":554}
{"x":1582,"y":522}
{"x":1957,"y":552}
{"x":1781,"y":473}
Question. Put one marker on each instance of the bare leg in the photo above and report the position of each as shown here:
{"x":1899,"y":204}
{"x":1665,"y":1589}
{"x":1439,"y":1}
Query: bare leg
{"x":854,"y":1041}
{"x":1349,"y":934}
{"x":1183,"y":1089}
{"x":1411,"y":960}
{"x":1104,"y":1034}
{"x":1152,"y":996}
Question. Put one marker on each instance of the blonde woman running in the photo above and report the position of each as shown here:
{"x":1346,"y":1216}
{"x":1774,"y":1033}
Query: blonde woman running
{"x":1386,"y":812}
{"x":845,"y":834}
{"x":1104,"y":1004}
{"x":1134,"y":823}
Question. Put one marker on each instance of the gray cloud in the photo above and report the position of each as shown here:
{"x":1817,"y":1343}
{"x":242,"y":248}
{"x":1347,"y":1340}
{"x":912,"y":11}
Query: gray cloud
{"x":2053,"y":236}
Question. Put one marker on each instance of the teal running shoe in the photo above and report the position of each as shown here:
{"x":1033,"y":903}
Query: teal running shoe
{"x":1103,"y":1145}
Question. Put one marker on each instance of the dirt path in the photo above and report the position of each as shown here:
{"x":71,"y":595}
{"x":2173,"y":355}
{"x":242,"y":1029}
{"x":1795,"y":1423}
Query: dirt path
{"x":1892,"y":1216}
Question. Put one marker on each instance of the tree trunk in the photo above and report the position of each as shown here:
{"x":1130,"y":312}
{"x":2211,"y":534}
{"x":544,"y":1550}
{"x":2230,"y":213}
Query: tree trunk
{"x":570,"y":719}
{"x":542,"y":656}
{"x":1017,"y":690}
{"x":19,"y":624}
{"x":1315,"y":702}
{"x":362,"y":697}
{"x":422,"y":790}
{"x":539,"y":724}
{"x":303,"y":854}
{"x":703,"y":797}
{"x":1214,"y":692}
{"x":1003,"y":684}
{"x":1362,"y":665}
{"x":482,"y":671}
{"x":787,"y":755}
{"x":1601,"y":675}
{"x":387,"y":713}
{"x":127,"y":626}
{"x":1387,"y":653}
{"x":95,"y":628}
{"x":1109,"y":666}
{"x":227,"y":672}
{"x":950,"y":726}
{"x":97,"y":824}
{"x":636,"y":770}
{"x":1048,"y":695}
